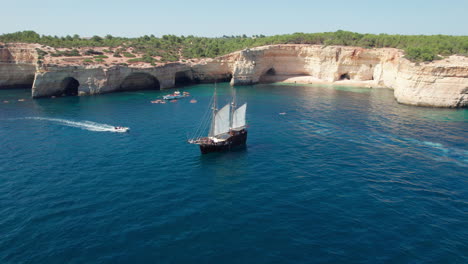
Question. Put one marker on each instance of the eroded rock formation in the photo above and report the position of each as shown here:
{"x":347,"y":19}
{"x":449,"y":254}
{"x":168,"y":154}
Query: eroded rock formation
{"x":442,"y":83}
{"x":96,"y":80}
{"x":17,"y":65}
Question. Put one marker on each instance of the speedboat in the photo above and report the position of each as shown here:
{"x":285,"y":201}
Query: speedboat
{"x":121,"y":129}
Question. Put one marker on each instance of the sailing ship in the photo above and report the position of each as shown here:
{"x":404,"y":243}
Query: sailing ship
{"x":227,"y":130}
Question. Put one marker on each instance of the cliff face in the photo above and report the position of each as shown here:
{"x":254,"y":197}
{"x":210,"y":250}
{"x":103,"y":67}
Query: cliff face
{"x":17,"y":65}
{"x":327,"y":64}
{"x":97,"y":80}
{"x":442,"y":83}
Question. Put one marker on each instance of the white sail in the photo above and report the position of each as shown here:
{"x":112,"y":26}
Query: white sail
{"x":238,"y":118}
{"x":221,"y":121}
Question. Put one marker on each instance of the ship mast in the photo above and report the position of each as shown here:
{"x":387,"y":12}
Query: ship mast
{"x":215,"y":110}
{"x":233,"y":107}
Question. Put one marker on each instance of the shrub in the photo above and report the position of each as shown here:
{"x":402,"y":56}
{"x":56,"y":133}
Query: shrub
{"x":87,"y":60}
{"x":134,"y":60}
{"x":417,"y":47}
{"x":145,"y":58}
{"x":99,"y":60}
{"x":117,"y":55}
{"x":170,"y":57}
{"x":66,"y":53}
{"x":93,"y":52}
{"x":101,"y":57}
{"x":128,"y":55}
{"x":418,"y":54}
{"x":152,"y":53}
{"x":96,"y":38}
{"x":73,"y":52}
{"x":41,"y":53}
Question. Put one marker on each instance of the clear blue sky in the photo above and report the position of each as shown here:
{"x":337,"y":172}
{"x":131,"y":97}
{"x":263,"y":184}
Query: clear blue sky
{"x":217,"y":17}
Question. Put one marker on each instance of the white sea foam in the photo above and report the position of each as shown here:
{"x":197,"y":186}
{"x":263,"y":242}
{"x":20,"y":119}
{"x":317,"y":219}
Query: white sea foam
{"x":86,"y":125}
{"x":435,"y":145}
{"x":432,"y":150}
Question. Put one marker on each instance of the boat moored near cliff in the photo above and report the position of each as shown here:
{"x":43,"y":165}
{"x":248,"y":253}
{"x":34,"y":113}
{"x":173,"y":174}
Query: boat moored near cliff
{"x":175,"y":95}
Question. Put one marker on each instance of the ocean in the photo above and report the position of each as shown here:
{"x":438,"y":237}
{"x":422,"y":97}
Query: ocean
{"x":330,"y":174}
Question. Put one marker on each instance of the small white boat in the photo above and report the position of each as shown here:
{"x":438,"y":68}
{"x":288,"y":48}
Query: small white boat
{"x":121,"y":129}
{"x":175,"y":95}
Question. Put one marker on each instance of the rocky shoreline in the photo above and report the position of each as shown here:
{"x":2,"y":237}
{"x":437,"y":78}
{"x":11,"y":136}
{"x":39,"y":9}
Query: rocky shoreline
{"x":442,"y":83}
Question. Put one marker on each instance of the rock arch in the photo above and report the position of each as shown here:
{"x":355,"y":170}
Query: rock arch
{"x":26,"y":81}
{"x":182,"y":78}
{"x":139,"y":81}
{"x":69,"y":86}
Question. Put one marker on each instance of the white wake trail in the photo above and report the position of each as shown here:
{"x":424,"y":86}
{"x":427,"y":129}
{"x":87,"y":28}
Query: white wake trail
{"x":87,"y":125}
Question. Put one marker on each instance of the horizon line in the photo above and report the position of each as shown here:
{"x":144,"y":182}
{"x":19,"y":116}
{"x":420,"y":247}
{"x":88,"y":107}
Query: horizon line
{"x":224,"y":36}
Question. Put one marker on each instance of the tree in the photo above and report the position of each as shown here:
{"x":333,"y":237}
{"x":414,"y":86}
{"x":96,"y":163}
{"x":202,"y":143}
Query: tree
{"x":96,"y":38}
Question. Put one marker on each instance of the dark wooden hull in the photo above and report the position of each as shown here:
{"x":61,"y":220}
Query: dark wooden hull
{"x":235,"y":141}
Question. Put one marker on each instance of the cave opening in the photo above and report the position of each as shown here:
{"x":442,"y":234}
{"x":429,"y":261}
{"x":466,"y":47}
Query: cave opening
{"x":23,"y":83}
{"x":140,"y":81}
{"x":268,"y":76}
{"x":69,"y":86}
{"x":225,"y":78}
{"x":182,"y":78}
{"x":271,"y":71}
{"x":344,"y":76}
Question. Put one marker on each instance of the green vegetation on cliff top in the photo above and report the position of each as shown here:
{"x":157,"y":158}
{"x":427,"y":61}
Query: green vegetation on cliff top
{"x":171,"y":47}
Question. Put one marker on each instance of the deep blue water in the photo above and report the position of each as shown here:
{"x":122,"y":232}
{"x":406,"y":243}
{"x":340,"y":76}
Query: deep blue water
{"x":345,"y":175}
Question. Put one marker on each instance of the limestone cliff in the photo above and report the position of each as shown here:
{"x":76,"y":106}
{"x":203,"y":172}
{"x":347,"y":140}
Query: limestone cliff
{"x":53,"y":80}
{"x":17,"y":65}
{"x":442,"y":83}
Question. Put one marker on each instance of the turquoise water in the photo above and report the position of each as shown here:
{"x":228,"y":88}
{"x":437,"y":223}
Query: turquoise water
{"x":343,"y":175}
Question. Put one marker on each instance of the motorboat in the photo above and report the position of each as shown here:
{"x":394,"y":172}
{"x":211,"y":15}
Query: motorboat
{"x":175,"y":95}
{"x":121,"y":129}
